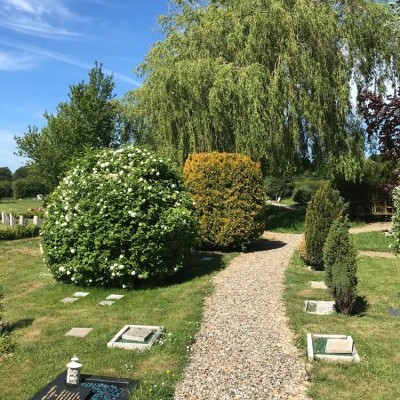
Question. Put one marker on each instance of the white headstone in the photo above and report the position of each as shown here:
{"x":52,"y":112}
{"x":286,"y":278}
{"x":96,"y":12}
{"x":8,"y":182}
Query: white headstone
{"x":13,"y":221}
{"x":36,"y":220}
{"x":4,"y":218}
{"x":22,"y":220}
{"x":39,"y":197}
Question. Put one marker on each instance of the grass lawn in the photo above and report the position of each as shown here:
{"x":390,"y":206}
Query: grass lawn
{"x":283,"y":219}
{"x":18,"y":206}
{"x":372,"y":241}
{"x":39,"y":321}
{"x":376,"y":334}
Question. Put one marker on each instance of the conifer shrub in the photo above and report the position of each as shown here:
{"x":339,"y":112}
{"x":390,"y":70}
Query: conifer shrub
{"x":228,"y":193}
{"x":322,"y":210}
{"x":396,"y":220}
{"x":341,"y":265}
{"x":118,"y":217}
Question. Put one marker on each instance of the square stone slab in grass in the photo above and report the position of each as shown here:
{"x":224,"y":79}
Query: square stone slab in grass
{"x":78,"y":332}
{"x":125,"y":340}
{"x":106,"y":303}
{"x":331,"y":348}
{"x":394,"y":312}
{"x":80,"y":294}
{"x":317,"y":285}
{"x":69,"y":299}
{"x":115,"y":297}
{"x":319,"y":307}
{"x":207,"y":258}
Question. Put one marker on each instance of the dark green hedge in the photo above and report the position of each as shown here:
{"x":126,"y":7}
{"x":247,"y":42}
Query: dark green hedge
{"x":19,"y":232}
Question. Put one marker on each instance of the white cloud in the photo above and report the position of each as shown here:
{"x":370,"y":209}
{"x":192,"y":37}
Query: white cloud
{"x":39,"y":51}
{"x":44,"y":18}
{"x":16,"y":61}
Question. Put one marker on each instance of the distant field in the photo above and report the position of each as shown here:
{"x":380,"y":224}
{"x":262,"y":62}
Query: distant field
{"x":19,"y":206}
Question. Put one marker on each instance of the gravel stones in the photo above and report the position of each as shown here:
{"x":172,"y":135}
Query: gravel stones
{"x":244,"y":348}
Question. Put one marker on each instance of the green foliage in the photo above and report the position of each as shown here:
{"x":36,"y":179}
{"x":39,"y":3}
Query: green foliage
{"x":22,"y":172}
{"x":322,"y":210}
{"x":341,"y":265}
{"x":5,"y":174}
{"x":5,"y":189}
{"x":303,"y":194}
{"x":396,"y":221}
{"x":118,"y":217}
{"x":91,"y":119}
{"x":264,"y":78}
{"x":19,"y":232}
{"x":30,"y":186}
{"x":276,"y":186}
{"x":228,"y":193}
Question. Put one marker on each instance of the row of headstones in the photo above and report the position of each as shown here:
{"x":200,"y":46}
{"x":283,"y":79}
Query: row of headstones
{"x":10,"y":220}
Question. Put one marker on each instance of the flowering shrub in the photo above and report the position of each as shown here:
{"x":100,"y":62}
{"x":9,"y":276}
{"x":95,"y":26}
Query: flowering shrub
{"x":119,"y":216}
{"x":396,"y":221}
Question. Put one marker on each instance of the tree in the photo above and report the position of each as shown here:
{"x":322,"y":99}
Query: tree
{"x":341,"y":265}
{"x":267,"y":78}
{"x":322,"y":210}
{"x":5,"y":174}
{"x":383,"y":121}
{"x":91,"y":119}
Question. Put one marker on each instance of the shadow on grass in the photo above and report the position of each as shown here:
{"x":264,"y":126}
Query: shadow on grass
{"x":287,"y":219}
{"x":22,"y":323}
{"x":360,"y":306}
{"x":264,"y":245}
{"x":194,"y":267}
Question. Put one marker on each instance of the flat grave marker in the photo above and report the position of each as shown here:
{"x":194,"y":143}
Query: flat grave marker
{"x":317,"y":285}
{"x":136,"y":337}
{"x":69,"y":299}
{"x":80,"y":294}
{"x":207,"y":258}
{"x":331,"y":348}
{"x":319,"y":307}
{"x":115,"y":297}
{"x":106,"y":303}
{"x":394,"y":312}
{"x":78,"y":332}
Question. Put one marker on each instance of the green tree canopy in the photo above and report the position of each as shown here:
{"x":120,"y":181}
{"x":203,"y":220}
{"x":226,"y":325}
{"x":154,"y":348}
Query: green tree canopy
{"x":91,"y":119}
{"x":268,"y":78}
{"x":5,"y":174}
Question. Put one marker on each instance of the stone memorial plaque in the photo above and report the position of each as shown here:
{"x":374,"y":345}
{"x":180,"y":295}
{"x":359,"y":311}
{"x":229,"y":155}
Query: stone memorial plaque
{"x":394,"y":312}
{"x":339,"y":346}
{"x":114,"y":297}
{"x":79,"y":332}
{"x":106,"y":303}
{"x":318,"y":285}
{"x":69,"y":299}
{"x":58,"y":390}
{"x":80,"y":294}
{"x":137,"y":334}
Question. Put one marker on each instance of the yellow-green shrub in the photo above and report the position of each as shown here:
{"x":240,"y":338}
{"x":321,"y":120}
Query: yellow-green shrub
{"x":228,"y":192}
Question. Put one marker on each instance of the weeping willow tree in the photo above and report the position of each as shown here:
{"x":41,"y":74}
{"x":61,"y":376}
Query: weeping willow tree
{"x":268,"y":78}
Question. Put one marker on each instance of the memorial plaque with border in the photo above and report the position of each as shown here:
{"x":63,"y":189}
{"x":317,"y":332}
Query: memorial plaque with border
{"x":59,"y":390}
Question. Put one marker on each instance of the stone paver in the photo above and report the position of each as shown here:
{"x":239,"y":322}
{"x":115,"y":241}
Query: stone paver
{"x":79,"y":332}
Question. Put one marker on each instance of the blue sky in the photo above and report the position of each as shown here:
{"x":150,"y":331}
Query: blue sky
{"x":47,"y":45}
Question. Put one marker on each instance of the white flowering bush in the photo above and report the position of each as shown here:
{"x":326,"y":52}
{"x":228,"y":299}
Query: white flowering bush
{"x":396,"y":220}
{"x":119,"y":216}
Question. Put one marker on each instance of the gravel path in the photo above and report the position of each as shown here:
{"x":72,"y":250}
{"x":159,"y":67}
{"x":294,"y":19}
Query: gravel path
{"x":244,"y":348}
{"x":373,"y":227}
